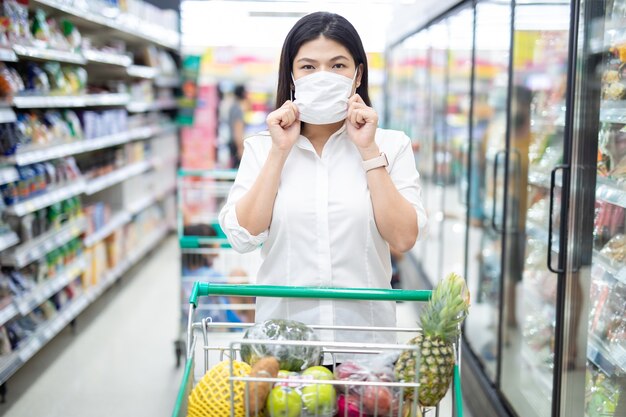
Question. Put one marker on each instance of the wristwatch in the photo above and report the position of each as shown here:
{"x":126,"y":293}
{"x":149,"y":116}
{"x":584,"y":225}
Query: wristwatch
{"x":379,"y":161}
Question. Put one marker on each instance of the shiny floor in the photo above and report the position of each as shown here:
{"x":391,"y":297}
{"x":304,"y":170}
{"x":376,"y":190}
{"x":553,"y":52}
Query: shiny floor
{"x":120,"y":359}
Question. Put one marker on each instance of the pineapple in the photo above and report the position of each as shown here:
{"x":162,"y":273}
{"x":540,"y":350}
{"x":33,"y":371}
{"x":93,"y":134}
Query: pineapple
{"x":211,"y":396}
{"x":439,"y":322}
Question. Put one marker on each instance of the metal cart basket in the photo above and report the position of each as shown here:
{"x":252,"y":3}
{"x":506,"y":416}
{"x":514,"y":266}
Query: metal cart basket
{"x":214,"y":347}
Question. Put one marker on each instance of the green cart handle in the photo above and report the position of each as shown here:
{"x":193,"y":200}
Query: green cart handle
{"x":203,"y":289}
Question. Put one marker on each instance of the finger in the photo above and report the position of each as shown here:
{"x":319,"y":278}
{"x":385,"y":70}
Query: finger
{"x":356,"y":98}
{"x":353,"y":117}
{"x":361,"y":117}
{"x":356,"y":105}
{"x":295,"y":110}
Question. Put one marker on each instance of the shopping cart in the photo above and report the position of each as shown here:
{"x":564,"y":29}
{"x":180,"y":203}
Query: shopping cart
{"x":215,"y":347}
{"x":205,"y":252}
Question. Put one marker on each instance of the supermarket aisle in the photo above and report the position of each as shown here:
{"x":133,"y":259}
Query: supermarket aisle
{"x":120,"y":362}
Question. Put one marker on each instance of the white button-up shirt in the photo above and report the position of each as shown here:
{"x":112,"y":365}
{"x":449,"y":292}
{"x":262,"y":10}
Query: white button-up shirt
{"x":323,"y":231}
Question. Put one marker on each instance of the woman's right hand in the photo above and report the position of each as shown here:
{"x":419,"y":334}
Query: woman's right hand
{"x":284,"y":126}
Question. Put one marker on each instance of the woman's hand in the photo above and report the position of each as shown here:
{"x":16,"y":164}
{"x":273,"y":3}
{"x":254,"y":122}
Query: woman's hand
{"x":362,"y":124}
{"x":284,"y":126}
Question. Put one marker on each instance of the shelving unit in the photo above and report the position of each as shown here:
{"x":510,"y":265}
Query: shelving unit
{"x":34,"y":249}
{"x":131,"y":192}
{"x":13,"y":362}
{"x":7,"y":115}
{"x":617,"y":273}
{"x":122,"y":27}
{"x":607,"y":190}
{"x":8,"y":174}
{"x":39,"y":54}
{"x":33,"y":155}
{"x":89,"y":100}
{"x":142,"y":71}
{"x":99,"y":57}
{"x":117,"y":221}
{"x":105,"y":181}
{"x":50,"y":197}
{"x":605,"y":360}
{"x":7,"y":55}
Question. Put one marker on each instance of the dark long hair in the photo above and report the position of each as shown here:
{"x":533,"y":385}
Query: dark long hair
{"x":310,"y":27}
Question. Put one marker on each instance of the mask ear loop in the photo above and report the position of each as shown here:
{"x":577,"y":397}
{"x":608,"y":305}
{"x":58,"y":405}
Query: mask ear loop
{"x":290,"y":88}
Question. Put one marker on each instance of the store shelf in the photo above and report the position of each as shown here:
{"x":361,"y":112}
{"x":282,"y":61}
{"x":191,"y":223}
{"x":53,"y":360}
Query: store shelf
{"x":105,"y":181}
{"x":7,"y":115}
{"x":143,"y":203}
{"x":9,"y":364}
{"x":614,"y":113}
{"x":617,"y":272}
{"x":142,"y":107}
{"x":117,"y":221}
{"x":125,"y":27}
{"x":142,"y":71}
{"x":167,"y":81}
{"x":47,"y":199}
{"x":7,"y":313}
{"x":8,"y":174}
{"x":607,"y":190}
{"x":35,"y":297}
{"x":107,"y":58}
{"x":89,"y":100}
{"x":46,"y":332}
{"x":7,"y":55}
{"x":27,"y":156}
{"x":611,"y":363}
{"x":8,"y":240}
{"x":123,"y":266}
{"x":40,"y":54}
{"x":36,"y":248}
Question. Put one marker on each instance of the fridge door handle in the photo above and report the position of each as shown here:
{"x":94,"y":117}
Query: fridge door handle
{"x":557,"y":168}
{"x":494,"y":225}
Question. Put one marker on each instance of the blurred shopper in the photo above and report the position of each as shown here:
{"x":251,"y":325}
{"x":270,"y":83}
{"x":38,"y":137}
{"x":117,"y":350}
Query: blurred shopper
{"x":237,"y":125}
{"x":325,"y":190}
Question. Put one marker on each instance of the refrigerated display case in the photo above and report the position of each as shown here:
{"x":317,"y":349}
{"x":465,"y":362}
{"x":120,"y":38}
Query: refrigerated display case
{"x":594,"y":380}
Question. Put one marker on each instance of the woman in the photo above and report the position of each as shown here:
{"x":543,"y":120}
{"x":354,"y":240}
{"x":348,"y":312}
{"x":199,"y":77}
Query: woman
{"x":324,"y":190}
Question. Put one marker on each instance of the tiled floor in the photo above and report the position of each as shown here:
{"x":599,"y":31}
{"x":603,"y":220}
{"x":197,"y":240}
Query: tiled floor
{"x":121,"y":360}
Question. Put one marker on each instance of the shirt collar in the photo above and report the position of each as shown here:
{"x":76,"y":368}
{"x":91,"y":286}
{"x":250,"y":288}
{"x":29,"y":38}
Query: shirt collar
{"x":304,"y":143}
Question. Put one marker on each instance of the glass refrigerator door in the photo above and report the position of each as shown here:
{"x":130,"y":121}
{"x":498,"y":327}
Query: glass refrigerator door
{"x":456,"y":142}
{"x":486,"y":189}
{"x":535,"y":149}
{"x":595,"y":349}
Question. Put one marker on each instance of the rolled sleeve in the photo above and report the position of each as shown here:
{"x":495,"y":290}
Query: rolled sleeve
{"x":239,"y":237}
{"x":404,"y":175}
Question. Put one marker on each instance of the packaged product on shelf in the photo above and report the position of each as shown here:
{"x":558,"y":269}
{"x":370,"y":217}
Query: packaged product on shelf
{"x":72,"y":35}
{"x":602,"y":394}
{"x":40,"y":28}
{"x":16,"y":14}
{"x":76,"y":78}
{"x":36,"y":80}
{"x":615,"y":249}
{"x":609,"y":221}
{"x":58,"y":83}
{"x":11,"y":83}
{"x":5,"y":343}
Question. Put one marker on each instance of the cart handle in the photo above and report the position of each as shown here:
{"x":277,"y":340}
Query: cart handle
{"x":201,"y":289}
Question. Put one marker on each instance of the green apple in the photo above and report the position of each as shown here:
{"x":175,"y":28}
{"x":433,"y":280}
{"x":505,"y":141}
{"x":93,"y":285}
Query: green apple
{"x":319,"y":373}
{"x":284,"y":402}
{"x":319,"y":399}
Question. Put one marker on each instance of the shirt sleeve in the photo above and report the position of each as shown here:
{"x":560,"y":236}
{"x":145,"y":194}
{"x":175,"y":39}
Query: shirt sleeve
{"x":407,"y":180}
{"x":239,"y":238}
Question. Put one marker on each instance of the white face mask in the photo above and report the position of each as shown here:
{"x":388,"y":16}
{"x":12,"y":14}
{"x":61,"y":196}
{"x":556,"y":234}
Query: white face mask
{"x":322,"y":97}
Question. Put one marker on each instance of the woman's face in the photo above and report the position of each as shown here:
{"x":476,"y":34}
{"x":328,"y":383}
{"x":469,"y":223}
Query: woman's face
{"x":324,"y":54}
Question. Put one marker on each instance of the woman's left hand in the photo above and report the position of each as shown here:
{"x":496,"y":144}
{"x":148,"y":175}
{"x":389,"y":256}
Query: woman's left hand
{"x":362,"y":123}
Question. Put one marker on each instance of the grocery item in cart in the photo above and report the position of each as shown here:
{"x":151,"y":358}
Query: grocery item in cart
{"x":267,"y":367}
{"x":211,"y":397}
{"x":440,"y":323}
{"x":370,"y":400}
{"x":291,"y":358}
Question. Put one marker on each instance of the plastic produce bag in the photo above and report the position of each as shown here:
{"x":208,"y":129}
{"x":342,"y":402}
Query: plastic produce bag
{"x":291,"y":358}
{"x":369,"y":400}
